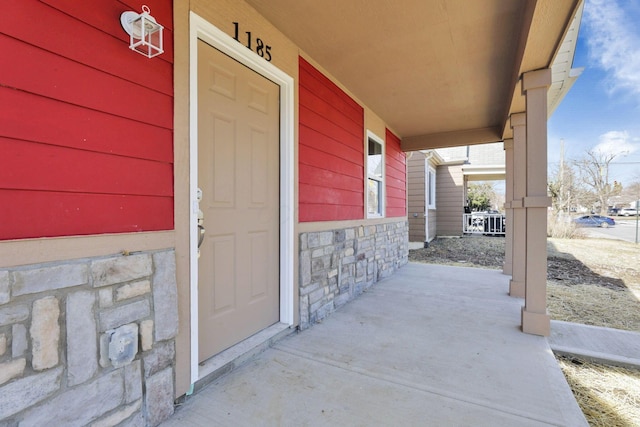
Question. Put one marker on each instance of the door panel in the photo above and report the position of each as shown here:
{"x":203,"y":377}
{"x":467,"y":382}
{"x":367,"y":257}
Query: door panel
{"x":238,"y":172}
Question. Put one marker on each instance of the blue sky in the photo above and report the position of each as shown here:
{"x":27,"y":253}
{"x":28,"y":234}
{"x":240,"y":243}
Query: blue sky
{"x":602,"y":110}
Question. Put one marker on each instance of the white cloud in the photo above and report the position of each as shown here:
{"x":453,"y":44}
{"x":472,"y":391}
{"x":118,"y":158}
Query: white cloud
{"x":616,"y":143}
{"x":613,"y":36}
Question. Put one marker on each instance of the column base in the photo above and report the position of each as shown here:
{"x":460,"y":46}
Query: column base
{"x":536,"y":323}
{"x":516,"y":289}
{"x":507,"y":269}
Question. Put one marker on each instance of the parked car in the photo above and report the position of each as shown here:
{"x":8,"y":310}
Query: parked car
{"x":628,"y":212}
{"x":613,"y":211}
{"x":594,"y":221}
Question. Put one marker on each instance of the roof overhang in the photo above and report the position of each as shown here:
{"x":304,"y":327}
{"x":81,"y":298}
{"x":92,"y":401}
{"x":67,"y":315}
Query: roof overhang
{"x":438,"y":72}
{"x":484,"y":173}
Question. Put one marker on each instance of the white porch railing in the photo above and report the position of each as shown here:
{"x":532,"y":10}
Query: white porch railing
{"x":483,"y":223}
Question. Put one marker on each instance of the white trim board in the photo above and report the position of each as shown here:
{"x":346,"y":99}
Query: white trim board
{"x":201,"y":29}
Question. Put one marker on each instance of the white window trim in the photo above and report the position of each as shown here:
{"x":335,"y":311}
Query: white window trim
{"x":431,"y":187}
{"x":376,"y":138}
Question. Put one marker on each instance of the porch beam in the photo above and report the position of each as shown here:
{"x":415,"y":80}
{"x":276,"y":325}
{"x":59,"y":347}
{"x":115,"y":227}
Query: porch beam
{"x":507,"y":268}
{"x":535,"y":319}
{"x":519,"y":254}
{"x":451,"y":139}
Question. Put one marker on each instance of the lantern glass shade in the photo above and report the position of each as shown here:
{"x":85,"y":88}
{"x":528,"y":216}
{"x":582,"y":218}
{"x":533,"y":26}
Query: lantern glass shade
{"x":145,"y":34}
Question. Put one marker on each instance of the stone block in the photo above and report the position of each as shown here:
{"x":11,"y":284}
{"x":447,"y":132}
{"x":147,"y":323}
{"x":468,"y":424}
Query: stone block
{"x":120,"y":269}
{"x":304,"y":312}
{"x":82,"y":348}
{"x":117,"y":417}
{"x":146,"y":335}
{"x":341,"y":300}
{"x":339,"y":236}
{"x":133,"y":290}
{"x":350,"y":233}
{"x":320,"y":264}
{"x":105,"y":297}
{"x":324,"y":311}
{"x":80,"y":405}
{"x":318,"y":239}
{"x":45,"y":333}
{"x":104,"y":350}
{"x":316,"y":295}
{"x":305,"y":268}
{"x":28,"y":391}
{"x":308,"y":289}
{"x":133,"y":381}
{"x":4,"y":287}
{"x":120,"y":315}
{"x":123,"y":344}
{"x":165,"y":295}
{"x":11,"y":369}
{"x":159,"y":358}
{"x":13,"y":314}
{"x":318,"y":253}
{"x":159,"y":397}
{"x":3,"y":344}
{"x":304,"y":241}
{"x":19,"y":343}
{"x":314,"y":307}
{"x":49,"y":278}
{"x":137,"y":420}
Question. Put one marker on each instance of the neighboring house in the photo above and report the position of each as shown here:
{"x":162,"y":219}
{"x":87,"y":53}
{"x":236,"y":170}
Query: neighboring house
{"x":422,"y":193}
{"x":438,"y":181}
{"x":274,"y":134}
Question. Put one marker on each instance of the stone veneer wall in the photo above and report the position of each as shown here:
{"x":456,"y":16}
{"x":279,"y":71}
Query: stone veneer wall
{"x":55,"y":326}
{"x":338,"y":265}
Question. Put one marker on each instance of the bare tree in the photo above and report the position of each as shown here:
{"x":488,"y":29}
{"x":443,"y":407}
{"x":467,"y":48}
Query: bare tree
{"x":593,"y":171}
{"x":563,"y":189}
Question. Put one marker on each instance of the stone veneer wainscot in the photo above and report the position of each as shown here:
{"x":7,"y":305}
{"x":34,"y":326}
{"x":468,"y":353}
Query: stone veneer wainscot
{"x":55,"y":323}
{"x":338,"y":265}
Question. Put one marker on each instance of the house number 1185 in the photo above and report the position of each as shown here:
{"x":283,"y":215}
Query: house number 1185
{"x":260,"y":48}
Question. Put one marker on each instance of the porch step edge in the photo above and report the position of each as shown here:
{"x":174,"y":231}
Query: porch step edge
{"x":234,"y":357}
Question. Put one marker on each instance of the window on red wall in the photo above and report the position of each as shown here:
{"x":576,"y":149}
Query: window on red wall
{"x":331,"y":152}
{"x":395,"y":176}
{"x":375,"y":176}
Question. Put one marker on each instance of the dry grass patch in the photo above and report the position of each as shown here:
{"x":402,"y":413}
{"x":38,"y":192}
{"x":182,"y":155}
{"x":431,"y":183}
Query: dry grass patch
{"x":608,"y":396}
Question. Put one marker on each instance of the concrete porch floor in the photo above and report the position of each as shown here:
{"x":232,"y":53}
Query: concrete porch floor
{"x":430,"y":346}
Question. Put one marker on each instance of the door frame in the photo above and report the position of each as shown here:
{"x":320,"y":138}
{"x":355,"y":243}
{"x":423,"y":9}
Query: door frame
{"x":199,"y":28}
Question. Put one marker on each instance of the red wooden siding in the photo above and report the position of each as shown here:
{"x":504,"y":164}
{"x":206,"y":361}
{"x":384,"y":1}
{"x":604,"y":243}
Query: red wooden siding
{"x":396,"y":176}
{"x":331,"y":150}
{"x":86,"y":125}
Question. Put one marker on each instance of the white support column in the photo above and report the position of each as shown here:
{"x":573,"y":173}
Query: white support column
{"x":507,"y":268}
{"x":535,"y":319}
{"x":519,"y":254}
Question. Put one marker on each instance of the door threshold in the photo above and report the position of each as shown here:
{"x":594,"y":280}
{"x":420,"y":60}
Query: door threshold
{"x":233,"y":357}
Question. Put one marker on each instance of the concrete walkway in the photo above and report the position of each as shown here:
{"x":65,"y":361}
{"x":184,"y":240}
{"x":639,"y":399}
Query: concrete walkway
{"x":430,"y":346}
{"x":604,"y":345}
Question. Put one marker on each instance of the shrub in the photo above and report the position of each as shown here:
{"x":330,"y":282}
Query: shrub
{"x":561,"y":227}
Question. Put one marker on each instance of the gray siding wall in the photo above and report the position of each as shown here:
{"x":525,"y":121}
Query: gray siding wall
{"x":416,"y":197}
{"x":433,"y":222}
{"x":487,"y":154}
{"x":449,"y":200}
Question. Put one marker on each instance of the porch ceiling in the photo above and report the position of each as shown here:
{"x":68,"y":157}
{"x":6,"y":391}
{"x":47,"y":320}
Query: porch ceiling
{"x":439,"y":72}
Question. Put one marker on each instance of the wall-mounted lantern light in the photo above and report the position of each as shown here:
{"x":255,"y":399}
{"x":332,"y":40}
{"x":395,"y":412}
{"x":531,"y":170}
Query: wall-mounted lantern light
{"x":145,"y":34}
